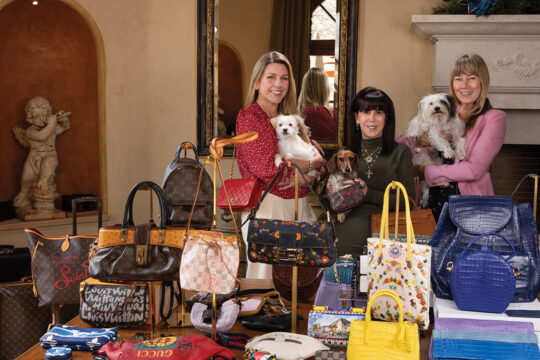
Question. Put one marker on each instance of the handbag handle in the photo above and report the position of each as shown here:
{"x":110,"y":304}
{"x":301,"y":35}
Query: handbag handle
{"x":128,"y":210}
{"x":184,"y":146}
{"x":271,"y":184}
{"x":488,"y":234}
{"x":217,"y":145}
{"x":384,"y":232}
{"x":393,"y":295}
{"x":535,"y":195}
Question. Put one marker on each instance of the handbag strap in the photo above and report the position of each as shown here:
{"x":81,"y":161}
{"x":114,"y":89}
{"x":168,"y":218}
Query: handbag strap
{"x":384,"y":232}
{"x":216,"y":151}
{"x":246,"y":137}
{"x":488,"y":234}
{"x":271,"y":184}
{"x":34,"y":288}
{"x":535,"y":195}
{"x":172,"y":296}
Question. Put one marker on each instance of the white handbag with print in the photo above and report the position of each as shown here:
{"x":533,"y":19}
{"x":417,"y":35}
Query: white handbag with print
{"x":401,"y":267}
{"x":285,"y":345}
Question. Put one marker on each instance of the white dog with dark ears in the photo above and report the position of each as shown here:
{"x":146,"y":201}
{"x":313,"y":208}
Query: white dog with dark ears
{"x":293,"y":140}
{"x":438,"y":119}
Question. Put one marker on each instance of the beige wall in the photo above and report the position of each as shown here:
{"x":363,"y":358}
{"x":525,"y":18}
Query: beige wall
{"x":391,"y":56}
{"x":151,"y":72}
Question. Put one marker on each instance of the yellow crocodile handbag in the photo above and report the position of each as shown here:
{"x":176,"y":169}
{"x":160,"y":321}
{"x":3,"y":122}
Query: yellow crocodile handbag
{"x":383,"y":340}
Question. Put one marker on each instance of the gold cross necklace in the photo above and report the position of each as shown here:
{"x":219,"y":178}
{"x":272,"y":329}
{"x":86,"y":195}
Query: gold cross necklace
{"x":370,"y":158}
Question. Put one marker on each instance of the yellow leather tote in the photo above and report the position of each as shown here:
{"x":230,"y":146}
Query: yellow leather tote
{"x":383,"y":340}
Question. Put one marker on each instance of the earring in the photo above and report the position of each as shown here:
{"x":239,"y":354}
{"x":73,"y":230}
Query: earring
{"x":357,"y":127}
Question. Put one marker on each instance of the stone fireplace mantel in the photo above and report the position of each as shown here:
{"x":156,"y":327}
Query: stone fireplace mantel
{"x":510,"y":45}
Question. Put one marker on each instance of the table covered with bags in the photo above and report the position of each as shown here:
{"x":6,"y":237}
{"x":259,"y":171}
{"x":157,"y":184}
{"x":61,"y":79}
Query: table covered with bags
{"x":37,"y":352}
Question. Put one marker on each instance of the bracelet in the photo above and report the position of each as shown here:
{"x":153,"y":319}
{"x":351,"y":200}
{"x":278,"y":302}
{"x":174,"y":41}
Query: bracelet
{"x":309,"y":165}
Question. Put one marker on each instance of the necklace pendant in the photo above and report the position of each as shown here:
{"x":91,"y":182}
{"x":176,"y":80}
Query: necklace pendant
{"x":369,"y":173}
{"x":368,"y":159}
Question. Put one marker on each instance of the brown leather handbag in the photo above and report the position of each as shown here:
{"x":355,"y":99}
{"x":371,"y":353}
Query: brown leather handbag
{"x":139,"y":253}
{"x":309,"y":279}
{"x":422,"y":220}
{"x":180,"y":185}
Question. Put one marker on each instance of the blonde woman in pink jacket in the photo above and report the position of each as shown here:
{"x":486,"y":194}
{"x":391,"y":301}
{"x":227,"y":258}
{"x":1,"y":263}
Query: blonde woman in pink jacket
{"x":485,"y":128}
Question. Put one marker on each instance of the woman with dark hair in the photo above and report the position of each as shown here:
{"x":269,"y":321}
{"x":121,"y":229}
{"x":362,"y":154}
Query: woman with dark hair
{"x":371,"y":128}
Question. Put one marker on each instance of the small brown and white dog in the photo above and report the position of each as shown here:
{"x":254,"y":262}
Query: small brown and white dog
{"x":341,"y":168}
{"x":293,"y":140}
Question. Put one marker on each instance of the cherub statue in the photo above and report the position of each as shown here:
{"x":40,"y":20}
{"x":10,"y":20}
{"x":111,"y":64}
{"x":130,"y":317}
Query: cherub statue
{"x":35,"y":201}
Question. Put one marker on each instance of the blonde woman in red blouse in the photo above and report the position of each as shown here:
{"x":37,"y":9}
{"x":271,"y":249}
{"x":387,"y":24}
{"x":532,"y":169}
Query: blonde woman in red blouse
{"x":272,"y":92}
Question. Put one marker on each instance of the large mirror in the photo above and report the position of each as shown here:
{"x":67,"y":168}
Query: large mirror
{"x":233,"y":34}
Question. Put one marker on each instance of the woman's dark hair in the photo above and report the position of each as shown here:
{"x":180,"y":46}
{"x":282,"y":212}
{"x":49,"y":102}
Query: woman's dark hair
{"x":367,"y":99}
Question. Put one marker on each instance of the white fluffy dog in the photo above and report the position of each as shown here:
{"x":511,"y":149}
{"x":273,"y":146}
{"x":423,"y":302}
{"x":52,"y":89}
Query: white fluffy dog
{"x":437,"y":117}
{"x":293,"y":140}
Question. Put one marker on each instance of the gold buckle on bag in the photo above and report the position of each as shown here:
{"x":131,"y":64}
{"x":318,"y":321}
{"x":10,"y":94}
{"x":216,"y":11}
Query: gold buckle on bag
{"x":140,"y":254}
{"x":287,"y":255}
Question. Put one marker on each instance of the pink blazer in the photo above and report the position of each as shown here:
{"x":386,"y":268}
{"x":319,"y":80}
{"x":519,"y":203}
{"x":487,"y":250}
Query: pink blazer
{"x":482,"y":142}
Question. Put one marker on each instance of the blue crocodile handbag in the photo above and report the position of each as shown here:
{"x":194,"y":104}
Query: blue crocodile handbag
{"x":464,"y":217}
{"x":482,"y":280}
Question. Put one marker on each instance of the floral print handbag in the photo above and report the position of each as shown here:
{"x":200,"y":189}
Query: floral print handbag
{"x":401,"y":267}
{"x":292,"y":243}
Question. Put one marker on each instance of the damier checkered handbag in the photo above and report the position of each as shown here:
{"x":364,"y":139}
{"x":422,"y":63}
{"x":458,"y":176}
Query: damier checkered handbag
{"x":210,"y":259}
{"x":330,"y":355}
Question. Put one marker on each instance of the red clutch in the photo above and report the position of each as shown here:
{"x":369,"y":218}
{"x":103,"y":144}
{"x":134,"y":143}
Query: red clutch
{"x":189,"y":347}
{"x":243,"y":194}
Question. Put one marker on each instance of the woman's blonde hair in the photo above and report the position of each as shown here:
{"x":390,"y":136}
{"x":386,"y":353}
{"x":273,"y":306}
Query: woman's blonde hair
{"x":287,"y":106}
{"x":315,"y":90}
{"x":472,"y":64}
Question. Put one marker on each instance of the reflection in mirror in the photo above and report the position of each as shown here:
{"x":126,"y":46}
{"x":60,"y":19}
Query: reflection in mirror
{"x":313,"y":104}
{"x":233,"y":34}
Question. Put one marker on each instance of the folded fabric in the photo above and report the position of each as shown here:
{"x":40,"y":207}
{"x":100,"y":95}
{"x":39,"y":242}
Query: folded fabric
{"x":484,"y":336}
{"x":481,"y":350}
{"x":77,"y":338}
{"x":499,"y":326}
{"x":471,"y":339}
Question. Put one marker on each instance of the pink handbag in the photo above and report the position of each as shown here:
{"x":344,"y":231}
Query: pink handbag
{"x":209,"y":262}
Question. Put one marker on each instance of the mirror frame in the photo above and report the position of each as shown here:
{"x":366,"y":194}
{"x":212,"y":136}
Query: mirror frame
{"x":206,"y":71}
